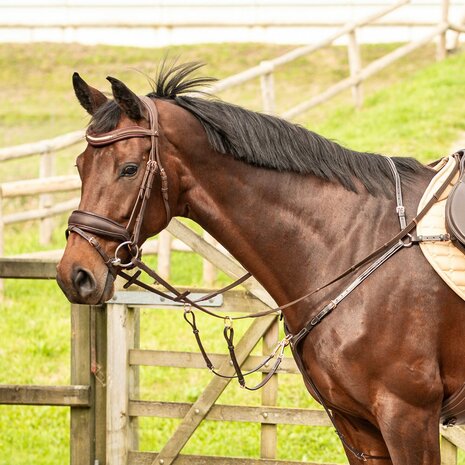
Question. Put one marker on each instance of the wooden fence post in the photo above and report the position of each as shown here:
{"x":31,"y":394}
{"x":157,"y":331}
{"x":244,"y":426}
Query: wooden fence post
{"x":99,"y":369}
{"x":355,"y":64}
{"x":164,"y":254}
{"x":269,"y":440}
{"x":82,"y":430}
{"x":2,"y":237}
{"x":120,"y":379}
{"x":46,"y":200}
{"x":134,"y":384}
{"x":441,"y":51}
{"x":267,"y":86}
{"x":209,"y":270}
{"x":448,"y":452}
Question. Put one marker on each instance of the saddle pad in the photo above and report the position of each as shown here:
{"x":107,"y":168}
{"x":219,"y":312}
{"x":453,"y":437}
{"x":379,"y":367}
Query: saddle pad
{"x":447,"y":260}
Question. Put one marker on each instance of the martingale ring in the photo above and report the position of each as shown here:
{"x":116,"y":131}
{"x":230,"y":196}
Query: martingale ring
{"x":116,"y":261}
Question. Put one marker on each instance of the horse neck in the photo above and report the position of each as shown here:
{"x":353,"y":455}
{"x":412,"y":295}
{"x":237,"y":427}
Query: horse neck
{"x":292,"y":232}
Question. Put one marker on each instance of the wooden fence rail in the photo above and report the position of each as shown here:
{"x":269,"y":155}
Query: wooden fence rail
{"x":269,"y":66}
{"x":71,"y":396}
{"x":45,"y":146}
{"x":361,"y":75}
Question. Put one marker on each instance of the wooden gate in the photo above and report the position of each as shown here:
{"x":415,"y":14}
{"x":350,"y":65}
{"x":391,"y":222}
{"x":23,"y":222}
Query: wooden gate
{"x":124,"y":407}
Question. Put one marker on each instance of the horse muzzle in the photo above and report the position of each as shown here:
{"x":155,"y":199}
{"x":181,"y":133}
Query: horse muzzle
{"x":83,"y":276}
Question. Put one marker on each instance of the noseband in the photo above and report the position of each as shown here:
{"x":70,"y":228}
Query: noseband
{"x":83,"y":222}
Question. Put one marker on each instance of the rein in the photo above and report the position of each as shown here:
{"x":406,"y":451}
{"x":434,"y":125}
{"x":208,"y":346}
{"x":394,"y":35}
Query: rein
{"x":86,"y":224}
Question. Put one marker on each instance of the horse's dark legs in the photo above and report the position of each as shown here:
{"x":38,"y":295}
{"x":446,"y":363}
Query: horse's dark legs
{"x":364,"y":437}
{"x":408,"y":435}
{"x":411,"y":435}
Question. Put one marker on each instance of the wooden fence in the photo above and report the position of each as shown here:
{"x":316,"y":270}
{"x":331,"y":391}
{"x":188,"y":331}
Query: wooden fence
{"x":103,"y":396}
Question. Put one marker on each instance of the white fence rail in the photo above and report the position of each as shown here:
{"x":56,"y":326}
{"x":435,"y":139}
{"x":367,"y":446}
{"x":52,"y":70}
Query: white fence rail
{"x":160,"y":23}
{"x":42,"y":147}
{"x":49,"y":184}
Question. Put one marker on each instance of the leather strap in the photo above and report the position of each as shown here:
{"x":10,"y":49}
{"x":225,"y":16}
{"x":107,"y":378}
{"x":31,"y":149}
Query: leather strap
{"x":228,"y":334}
{"x":94,"y":243}
{"x":100,"y":140}
{"x":99,"y":225}
{"x":295,"y":340}
{"x":400,"y":209}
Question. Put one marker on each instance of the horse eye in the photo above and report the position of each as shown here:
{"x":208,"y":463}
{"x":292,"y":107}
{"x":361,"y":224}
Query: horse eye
{"x":129,"y":170}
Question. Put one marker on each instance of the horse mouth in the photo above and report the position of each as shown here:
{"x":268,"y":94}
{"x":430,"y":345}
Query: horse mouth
{"x":109,"y":288}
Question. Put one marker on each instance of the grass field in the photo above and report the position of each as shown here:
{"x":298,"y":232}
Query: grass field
{"x":413,"y":108}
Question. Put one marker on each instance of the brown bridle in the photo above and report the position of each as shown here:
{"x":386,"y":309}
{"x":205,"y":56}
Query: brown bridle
{"x":83,"y":222}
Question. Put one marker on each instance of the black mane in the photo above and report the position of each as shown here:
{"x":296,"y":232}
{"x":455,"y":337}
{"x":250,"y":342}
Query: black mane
{"x":264,"y":140}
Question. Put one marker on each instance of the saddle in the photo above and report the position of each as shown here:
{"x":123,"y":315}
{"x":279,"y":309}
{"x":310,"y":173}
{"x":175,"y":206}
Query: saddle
{"x":455,"y":209}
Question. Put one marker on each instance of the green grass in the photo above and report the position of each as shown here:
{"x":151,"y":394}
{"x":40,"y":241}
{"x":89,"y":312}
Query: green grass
{"x":38,"y":100}
{"x":412,"y":108}
{"x":419,"y":117}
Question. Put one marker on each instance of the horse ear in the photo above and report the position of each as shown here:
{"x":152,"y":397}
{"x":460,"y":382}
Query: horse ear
{"x":129,"y":102}
{"x":88,"y":97}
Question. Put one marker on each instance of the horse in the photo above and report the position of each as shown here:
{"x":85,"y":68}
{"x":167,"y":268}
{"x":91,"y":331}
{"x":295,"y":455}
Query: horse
{"x":295,"y":209}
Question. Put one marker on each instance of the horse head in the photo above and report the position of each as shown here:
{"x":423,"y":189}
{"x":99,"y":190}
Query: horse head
{"x":124,"y":197}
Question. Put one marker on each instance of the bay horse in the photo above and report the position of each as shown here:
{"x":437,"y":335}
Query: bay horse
{"x":295,"y":209}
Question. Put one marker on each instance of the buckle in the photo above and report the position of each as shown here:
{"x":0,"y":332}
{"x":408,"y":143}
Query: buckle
{"x":152,"y":166}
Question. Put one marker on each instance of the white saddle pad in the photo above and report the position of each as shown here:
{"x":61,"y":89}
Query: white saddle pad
{"x":444,"y":257}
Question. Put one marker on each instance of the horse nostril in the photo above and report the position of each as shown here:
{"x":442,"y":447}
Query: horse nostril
{"x":84,"y":282}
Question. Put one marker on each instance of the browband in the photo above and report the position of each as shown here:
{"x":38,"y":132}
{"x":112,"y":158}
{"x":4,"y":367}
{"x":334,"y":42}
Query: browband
{"x":119,"y":134}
